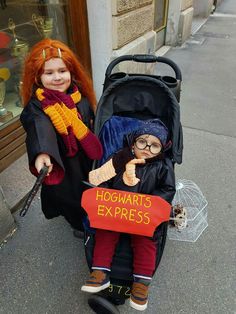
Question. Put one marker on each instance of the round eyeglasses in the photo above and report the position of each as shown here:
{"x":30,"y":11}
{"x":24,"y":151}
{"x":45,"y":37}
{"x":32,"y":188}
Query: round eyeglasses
{"x":141,"y":144}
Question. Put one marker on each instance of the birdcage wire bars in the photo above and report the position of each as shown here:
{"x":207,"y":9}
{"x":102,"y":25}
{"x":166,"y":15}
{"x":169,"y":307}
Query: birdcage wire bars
{"x":189,"y":212}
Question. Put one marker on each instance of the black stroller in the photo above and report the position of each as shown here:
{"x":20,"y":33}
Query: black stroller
{"x":127,"y":97}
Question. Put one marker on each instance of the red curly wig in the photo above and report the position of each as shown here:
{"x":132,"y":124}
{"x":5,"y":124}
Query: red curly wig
{"x":34,"y":65}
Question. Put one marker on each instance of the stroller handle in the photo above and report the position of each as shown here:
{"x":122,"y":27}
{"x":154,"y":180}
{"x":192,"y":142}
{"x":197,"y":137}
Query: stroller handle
{"x":145,"y":59}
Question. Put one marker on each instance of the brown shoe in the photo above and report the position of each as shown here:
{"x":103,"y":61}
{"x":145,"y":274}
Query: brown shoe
{"x":139,"y":296}
{"x":98,"y":281}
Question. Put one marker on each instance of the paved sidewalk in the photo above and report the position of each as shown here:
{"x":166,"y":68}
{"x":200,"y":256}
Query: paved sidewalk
{"x":42,"y":267}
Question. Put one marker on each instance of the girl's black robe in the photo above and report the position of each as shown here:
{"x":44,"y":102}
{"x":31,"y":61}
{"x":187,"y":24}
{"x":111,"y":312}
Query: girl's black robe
{"x":41,"y":137}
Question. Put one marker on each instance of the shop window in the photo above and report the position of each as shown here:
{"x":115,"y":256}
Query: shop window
{"x":160,"y":14}
{"x":22,"y":24}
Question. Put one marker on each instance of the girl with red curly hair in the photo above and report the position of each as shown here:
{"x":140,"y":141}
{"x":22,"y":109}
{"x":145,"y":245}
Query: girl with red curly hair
{"x":59,"y":105}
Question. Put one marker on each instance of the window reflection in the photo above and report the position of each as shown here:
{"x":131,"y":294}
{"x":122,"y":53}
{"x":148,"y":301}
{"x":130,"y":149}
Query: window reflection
{"x":22,"y":24}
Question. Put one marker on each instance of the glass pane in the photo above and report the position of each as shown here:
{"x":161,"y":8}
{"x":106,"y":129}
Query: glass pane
{"x":22,"y":24}
{"x":160,"y":14}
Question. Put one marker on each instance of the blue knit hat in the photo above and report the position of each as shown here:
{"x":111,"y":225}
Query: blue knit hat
{"x":153,"y":127}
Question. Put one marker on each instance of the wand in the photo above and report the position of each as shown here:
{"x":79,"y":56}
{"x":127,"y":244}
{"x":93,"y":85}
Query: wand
{"x":43,"y":172}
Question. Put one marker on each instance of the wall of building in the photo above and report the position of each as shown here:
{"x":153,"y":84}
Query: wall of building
{"x":124,"y":27}
{"x":185,"y":22}
{"x":100,"y":25}
{"x":132,"y":32}
{"x":117,"y":28}
{"x":130,"y":20}
{"x":202,"y":8}
{"x":179,"y":22}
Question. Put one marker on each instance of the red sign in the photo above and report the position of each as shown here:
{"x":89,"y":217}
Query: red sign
{"x":123,"y":211}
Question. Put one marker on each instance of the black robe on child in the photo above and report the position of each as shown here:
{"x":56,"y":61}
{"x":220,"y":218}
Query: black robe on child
{"x":62,"y":198}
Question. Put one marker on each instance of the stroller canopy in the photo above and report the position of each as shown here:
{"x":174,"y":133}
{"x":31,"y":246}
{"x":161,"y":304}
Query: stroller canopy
{"x":140,"y":97}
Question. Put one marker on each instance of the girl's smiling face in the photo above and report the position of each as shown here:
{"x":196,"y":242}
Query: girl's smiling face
{"x":56,"y":76}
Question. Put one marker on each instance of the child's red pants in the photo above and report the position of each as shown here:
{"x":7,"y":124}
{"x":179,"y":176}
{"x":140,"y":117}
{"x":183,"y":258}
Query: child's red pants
{"x":144,"y":252}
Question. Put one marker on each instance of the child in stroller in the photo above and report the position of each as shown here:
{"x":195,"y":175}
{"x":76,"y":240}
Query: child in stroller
{"x":127,"y":101}
{"x":147,"y":171}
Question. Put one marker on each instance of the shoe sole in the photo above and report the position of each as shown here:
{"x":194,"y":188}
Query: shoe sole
{"x":138,"y":307}
{"x":95,"y":289}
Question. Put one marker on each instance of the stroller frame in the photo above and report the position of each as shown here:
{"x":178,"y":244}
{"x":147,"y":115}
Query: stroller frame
{"x":105,"y":301}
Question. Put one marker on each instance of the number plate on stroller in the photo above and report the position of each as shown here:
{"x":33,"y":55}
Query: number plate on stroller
{"x":119,"y":290}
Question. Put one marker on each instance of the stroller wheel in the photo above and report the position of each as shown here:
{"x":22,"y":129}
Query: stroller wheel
{"x":101,"y":305}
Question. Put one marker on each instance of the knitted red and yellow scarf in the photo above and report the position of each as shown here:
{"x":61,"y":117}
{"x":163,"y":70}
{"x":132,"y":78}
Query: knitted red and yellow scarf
{"x":61,"y":109}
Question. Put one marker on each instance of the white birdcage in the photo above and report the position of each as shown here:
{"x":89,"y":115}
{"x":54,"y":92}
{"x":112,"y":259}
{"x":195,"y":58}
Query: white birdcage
{"x":189,"y":208}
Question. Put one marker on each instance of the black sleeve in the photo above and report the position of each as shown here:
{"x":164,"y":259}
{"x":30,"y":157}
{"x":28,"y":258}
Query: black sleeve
{"x":121,"y":158}
{"x":40,"y":133}
{"x":166,"y":181}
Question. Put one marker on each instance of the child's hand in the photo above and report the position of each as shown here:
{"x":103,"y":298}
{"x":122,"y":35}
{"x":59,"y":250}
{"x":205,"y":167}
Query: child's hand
{"x":43,"y":160}
{"x":129,"y":176}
